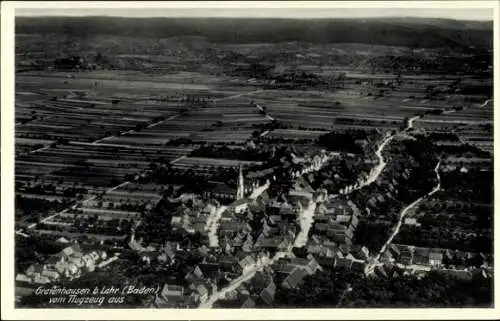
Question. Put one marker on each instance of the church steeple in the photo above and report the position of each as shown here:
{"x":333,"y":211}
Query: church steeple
{"x":241,"y":187}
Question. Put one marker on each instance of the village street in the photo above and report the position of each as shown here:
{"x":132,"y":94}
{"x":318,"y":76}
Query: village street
{"x":213,"y":225}
{"x":234,"y":284}
{"x":306,"y":219}
{"x":402,"y":215}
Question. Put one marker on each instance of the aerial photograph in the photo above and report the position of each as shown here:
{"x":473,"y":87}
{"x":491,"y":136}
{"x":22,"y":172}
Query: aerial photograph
{"x":253,"y":159}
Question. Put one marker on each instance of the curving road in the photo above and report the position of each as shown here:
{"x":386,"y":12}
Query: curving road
{"x":378,"y":169}
{"x":403,"y":214}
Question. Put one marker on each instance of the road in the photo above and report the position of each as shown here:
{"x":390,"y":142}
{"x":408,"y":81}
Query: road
{"x":403,"y":214}
{"x":213,"y":225}
{"x":237,"y":96}
{"x":258,"y":191}
{"x":485,"y":103}
{"x":306,"y":219}
{"x":234,"y":284}
{"x":261,"y":109}
{"x":410,"y":123}
{"x":378,"y":169}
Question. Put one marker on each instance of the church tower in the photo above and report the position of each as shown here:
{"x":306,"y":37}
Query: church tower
{"x":241,"y":187}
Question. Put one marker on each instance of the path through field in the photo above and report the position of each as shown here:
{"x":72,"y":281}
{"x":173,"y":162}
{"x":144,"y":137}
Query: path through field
{"x":74,"y":206}
{"x":238,"y":95}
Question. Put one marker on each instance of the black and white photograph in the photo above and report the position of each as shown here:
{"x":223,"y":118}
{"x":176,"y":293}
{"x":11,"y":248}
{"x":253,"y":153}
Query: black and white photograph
{"x":234,"y":157}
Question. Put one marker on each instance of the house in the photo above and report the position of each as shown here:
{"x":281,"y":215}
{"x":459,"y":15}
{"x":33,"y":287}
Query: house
{"x":358,"y":266}
{"x":268,"y":243}
{"x":246,"y":263}
{"x":194,"y":275}
{"x":320,"y":196}
{"x":68,"y":251}
{"x":230,"y":264}
{"x":21,"y":277}
{"x":325,"y":261}
{"x":248,"y":303}
{"x":210,"y":270}
{"x":171,"y":296}
{"x":310,"y":264}
{"x":294,"y":278}
{"x":412,"y":222}
{"x":200,"y":292}
{"x":300,"y":196}
{"x":221,"y":190}
{"x":421,"y":256}
{"x":162,"y":258}
{"x":394,"y":251}
{"x":239,"y":206}
{"x":263,"y":287}
{"x":169,"y":250}
{"x":386,"y":257}
{"x":360,"y":253}
{"x":380,"y":271}
{"x":267,"y":295}
{"x":52,"y":275}
{"x":172,"y":292}
{"x":435,"y":259}
{"x":33,"y":269}
{"x":290,"y":211}
{"x":406,"y":255}
{"x":40,"y":279}
{"x":343,"y":263}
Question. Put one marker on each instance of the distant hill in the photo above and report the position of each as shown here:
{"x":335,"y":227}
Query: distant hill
{"x":408,"y":32}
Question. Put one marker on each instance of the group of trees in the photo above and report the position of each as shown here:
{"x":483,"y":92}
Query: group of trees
{"x":342,"y":142}
{"x":433,"y":290}
{"x":324,"y":289}
{"x":371,"y":234}
{"x":33,"y":249}
{"x":156,"y":226}
{"x":460,"y":217}
{"x":435,"y":236}
{"x":331,"y":288}
{"x":39,"y":206}
{"x":245,"y":154}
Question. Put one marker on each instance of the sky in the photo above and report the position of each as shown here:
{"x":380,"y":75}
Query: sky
{"x":449,"y":13}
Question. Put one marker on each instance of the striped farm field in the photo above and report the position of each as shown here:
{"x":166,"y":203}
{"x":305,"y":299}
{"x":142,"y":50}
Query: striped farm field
{"x":296,"y":134}
{"x":210,"y":164}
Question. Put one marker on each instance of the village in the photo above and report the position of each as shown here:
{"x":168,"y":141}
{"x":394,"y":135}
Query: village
{"x":254,"y":174}
{"x":258,"y":244}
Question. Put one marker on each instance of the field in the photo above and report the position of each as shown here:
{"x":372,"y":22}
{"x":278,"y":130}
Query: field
{"x":97,"y":129}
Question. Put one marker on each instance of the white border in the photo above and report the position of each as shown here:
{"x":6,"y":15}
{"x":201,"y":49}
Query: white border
{"x":7,"y":176}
